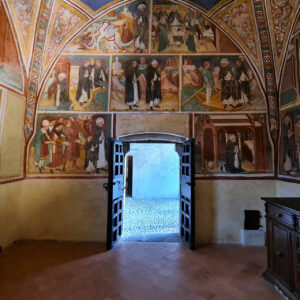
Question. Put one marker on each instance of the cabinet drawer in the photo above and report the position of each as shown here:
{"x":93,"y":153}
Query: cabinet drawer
{"x":281,"y":216}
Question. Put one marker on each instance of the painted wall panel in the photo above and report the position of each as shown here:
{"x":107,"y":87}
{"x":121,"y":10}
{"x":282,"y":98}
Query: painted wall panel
{"x":70,"y":144}
{"x":171,"y":123}
{"x":12,"y":142}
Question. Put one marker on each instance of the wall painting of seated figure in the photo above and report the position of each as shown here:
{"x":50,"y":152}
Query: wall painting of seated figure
{"x":290,"y":83}
{"x":228,"y":144}
{"x":219,"y":83}
{"x":145,"y":83}
{"x":178,"y":29}
{"x":289,"y":159}
{"x":123,"y":30}
{"x":70,"y":144}
{"x":77,"y":83}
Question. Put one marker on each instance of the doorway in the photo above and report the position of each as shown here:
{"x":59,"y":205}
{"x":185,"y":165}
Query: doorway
{"x":151,"y":199}
{"x":117,"y":183}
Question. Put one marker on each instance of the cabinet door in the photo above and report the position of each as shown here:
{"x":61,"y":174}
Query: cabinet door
{"x":296,"y":261}
{"x":281,"y":257}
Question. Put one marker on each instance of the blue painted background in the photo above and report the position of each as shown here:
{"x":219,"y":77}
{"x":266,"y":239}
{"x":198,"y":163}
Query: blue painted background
{"x":96,"y":4}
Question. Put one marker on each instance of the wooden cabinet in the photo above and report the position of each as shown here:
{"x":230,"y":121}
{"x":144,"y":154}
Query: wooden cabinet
{"x":283,"y":243}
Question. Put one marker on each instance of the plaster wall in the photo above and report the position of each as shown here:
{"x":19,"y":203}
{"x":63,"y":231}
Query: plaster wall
{"x":12,"y":141}
{"x":9,"y":213}
{"x":69,"y":210}
{"x":75,"y":210}
{"x":170,"y":123}
{"x":220,"y":206}
{"x":287,"y":189}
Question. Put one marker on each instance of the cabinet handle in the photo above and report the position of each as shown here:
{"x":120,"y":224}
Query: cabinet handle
{"x":279,"y":215}
{"x":280,"y":254}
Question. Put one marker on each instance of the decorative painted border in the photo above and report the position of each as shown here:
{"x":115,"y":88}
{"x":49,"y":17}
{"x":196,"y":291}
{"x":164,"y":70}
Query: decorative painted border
{"x":279,"y":58}
{"x":268,"y":62}
{"x":41,"y":34}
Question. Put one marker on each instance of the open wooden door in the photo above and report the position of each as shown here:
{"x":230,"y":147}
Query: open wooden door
{"x":115,"y":192}
{"x":187,"y":201}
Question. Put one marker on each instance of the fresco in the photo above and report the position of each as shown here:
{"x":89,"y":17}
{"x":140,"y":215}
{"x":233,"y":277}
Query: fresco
{"x":25,"y":14}
{"x":70,"y":144}
{"x":123,"y":30}
{"x":145,"y":83}
{"x":238,"y":20}
{"x":289,"y":160}
{"x":219,"y":83}
{"x":65,"y":21}
{"x":178,"y":29}
{"x":77,"y":83}
{"x":11,"y":73}
{"x":281,"y":15}
{"x":290,"y":82}
{"x":95,"y":6}
{"x":232,"y":144}
{"x":207,"y":4}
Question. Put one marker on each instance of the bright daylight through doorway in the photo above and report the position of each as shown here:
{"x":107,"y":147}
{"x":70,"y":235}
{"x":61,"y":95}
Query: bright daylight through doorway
{"x":151,"y":211}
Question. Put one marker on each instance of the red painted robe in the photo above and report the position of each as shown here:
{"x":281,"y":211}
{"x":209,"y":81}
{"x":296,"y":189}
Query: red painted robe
{"x":72,"y":151}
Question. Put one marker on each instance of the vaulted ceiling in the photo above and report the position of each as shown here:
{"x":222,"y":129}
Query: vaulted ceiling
{"x":42,"y":29}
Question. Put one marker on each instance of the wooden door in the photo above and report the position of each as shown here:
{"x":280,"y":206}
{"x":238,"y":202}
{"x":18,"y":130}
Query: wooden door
{"x":187,"y":201}
{"x":115,"y":192}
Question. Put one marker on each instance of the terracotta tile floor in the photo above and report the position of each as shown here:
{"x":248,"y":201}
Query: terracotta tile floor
{"x":133,"y":271}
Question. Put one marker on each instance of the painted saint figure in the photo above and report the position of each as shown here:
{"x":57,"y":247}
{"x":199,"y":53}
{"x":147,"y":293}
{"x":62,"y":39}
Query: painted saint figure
{"x":153,"y":90}
{"x":243,"y":84}
{"x":191,"y":32}
{"x":233,"y":160}
{"x":57,"y":142}
{"x":84,"y":84}
{"x":91,"y":69}
{"x":163,"y":32}
{"x":40,"y":143}
{"x":100,"y":75}
{"x":208,"y":81}
{"x":141,"y":36}
{"x":132,"y":85}
{"x":72,"y":151}
{"x":62,"y":101}
{"x":228,"y":83}
{"x":100,"y":144}
{"x":288,"y":144}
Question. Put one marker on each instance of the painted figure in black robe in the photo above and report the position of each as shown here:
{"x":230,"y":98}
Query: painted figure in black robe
{"x":132,"y":85}
{"x":84,"y":84}
{"x":62,"y":101}
{"x":288,"y":143}
{"x":92,"y":69}
{"x":153,"y":91}
{"x":228,"y":84}
{"x":100,"y":75}
{"x":243,"y":84}
{"x":233,"y":161}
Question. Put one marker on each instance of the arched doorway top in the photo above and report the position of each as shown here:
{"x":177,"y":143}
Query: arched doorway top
{"x":153,"y":137}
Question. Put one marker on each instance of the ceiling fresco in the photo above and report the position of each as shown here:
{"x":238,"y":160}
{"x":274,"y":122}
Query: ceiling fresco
{"x":238,"y":20}
{"x":208,"y":4}
{"x":25,"y":15}
{"x":96,"y":5}
{"x":281,"y":16}
{"x":65,"y":21}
